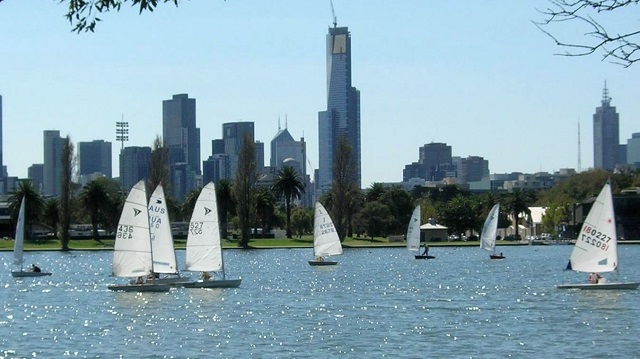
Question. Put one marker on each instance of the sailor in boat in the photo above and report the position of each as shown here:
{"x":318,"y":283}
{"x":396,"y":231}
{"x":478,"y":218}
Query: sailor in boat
{"x":35,"y":268}
{"x":595,"y":278}
{"x":206,"y":276}
{"x":426,"y":250}
{"x":319,"y":259}
{"x":139,"y":280}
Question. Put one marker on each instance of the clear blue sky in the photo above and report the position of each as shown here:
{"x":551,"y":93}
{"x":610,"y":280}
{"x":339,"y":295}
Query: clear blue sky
{"x":476,"y":75}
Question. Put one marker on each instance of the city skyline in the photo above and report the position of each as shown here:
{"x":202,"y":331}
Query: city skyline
{"x":449,"y":73}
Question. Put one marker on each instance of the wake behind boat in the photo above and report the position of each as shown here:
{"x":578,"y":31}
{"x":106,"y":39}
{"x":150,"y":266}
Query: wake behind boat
{"x":204,"y":245}
{"x":132,"y":253}
{"x":325,"y":238}
{"x":413,"y":235}
{"x":18,"y":248}
{"x":596,"y":248}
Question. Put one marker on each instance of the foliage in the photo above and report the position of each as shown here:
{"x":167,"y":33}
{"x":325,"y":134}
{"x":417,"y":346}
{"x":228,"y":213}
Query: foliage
{"x":376,"y":219}
{"x":290,"y":186}
{"x":374,"y":192}
{"x":553,"y":217}
{"x":244,"y":189}
{"x":226,"y":205}
{"x":95,"y":200}
{"x":400,"y":205}
{"x":517,"y":203}
{"x":82,"y":14}
{"x":189,"y":204}
{"x":460,"y":214}
{"x":266,"y":209}
{"x":343,"y":187}
{"x":301,"y":221}
{"x":51,"y":213}
{"x":66,"y":193}
{"x":619,"y":45}
{"x":33,"y":205}
{"x":159,"y":166}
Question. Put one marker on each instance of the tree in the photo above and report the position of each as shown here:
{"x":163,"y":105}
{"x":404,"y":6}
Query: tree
{"x":51,"y":213}
{"x":159,"y":166}
{"x":301,"y":220}
{"x":620,"y":46}
{"x":190,"y":203}
{"x":376,"y":219}
{"x":374,"y":192}
{"x":66,"y":192}
{"x":343,"y":186}
{"x":400,"y":204}
{"x":288,"y":185}
{"x":33,"y":205}
{"x":265,"y":208}
{"x":517,"y":203}
{"x":460,"y":214}
{"x":82,"y":14}
{"x":244,"y":188}
{"x":226,"y":204}
{"x":95,"y":200}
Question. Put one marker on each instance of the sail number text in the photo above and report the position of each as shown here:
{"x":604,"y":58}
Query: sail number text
{"x":195,"y":228}
{"x":326,"y":228}
{"x":125,"y":232}
{"x":596,"y":238}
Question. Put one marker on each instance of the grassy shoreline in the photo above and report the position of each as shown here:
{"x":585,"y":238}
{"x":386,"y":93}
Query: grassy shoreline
{"x":304,"y":242}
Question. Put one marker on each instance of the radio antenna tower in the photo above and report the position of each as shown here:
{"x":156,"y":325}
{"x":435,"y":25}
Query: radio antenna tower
{"x":335,"y":20}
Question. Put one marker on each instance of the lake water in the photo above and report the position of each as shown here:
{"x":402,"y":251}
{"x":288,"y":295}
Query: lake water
{"x":375,"y":303}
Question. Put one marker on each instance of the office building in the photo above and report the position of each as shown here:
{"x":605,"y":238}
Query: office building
{"x":134,"y":165}
{"x":94,"y":157}
{"x":633,"y":149}
{"x":342,"y":115}
{"x":436,"y":161}
{"x":36,"y":174}
{"x":606,"y":137}
{"x":52,"y":171}
{"x":233,"y":134}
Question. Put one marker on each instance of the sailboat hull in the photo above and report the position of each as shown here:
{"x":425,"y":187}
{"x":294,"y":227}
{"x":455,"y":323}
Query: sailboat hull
{"x":600,"y":286}
{"x":176,"y":281}
{"x":496,"y":256}
{"x":419,"y":256}
{"x":322,"y":263}
{"x":140,"y":287}
{"x":22,"y":274}
{"x":213,"y":283}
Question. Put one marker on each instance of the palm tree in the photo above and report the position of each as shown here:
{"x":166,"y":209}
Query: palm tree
{"x":375,"y":191}
{"x":33,"y":205}
{"x":189,"y":204}
{"x":95,"y":199}
{"x":289,"y":186}
{"x":518,"y":202}
{"x":265,"y":207}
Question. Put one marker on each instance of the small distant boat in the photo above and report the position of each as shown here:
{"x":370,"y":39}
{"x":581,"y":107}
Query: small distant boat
{"x":165,"y":267}
{"x":132,"y":253}
{"x":596,"y":249}
{"x":489,"y":232}
{"x":18,"y":248}
{"x":325,"y":238}
{"x":204,"y":245}
{"x":413,"y":235}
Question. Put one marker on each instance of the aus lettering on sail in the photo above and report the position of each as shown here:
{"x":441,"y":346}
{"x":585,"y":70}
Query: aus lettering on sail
{"x":591,"y":235}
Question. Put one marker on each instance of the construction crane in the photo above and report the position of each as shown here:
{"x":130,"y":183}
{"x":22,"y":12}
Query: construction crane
{"x":333,"y":12}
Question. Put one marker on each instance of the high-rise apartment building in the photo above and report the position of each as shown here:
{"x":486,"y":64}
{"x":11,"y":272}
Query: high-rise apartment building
{"x":342,"y":115}
{"x":473,"y":169}
{"x":435,"y":159}
{"x":36,"y":174}
{"x":134,"y":165}
{"x":283,"y":147}
{"x":633,"y":149}
{"x":182,"y":138}
{"x":53,"y":145}
{"x":95,"y":157}
{"x":606,"y":135}
{"x":233,"y":134}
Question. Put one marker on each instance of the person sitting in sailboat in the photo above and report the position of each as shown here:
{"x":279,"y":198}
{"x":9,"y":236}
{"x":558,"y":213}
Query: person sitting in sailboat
{"x":595,"y":278}
{"x":426,"y":250}
{"x":35,"y":268}
{"x":206,"y":275}
{"x":319,"y":259}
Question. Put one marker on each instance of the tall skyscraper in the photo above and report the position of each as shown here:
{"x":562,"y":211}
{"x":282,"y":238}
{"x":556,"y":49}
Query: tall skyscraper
{"x":342,"y":116}
{"x":284,"y":147}
{"x":233,"y":136}
{"x":633,"y":149}
{"x":36,"y":175}
{"x":134,"y":165}
{"x":95,"y":157}
{"x":435,"y":159}
{"x":182,"y":138}
{"x":53,"y":145}
{"x":606,"y":134}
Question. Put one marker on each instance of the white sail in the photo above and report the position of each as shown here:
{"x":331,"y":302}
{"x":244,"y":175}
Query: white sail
{"x":164,"y":254}
{"x":18,"y":245}
{"x":596,"y":248}
{"x":413,"y":231}
{"x":325,"y":238}
{"x":490,"y":229}
{"x":132,"y":248}
{"x":204,"y":251}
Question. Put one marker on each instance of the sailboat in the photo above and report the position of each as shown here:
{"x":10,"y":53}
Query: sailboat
{"x":18,"y":247}
{"x":325,"y":238}
{"x":204,"y":247}
{"x":596,"y":248}
{"x":132,"y":252}
{"x":489,"y":231}
{"x":413,"y":235}
{"x":164,"y":254}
